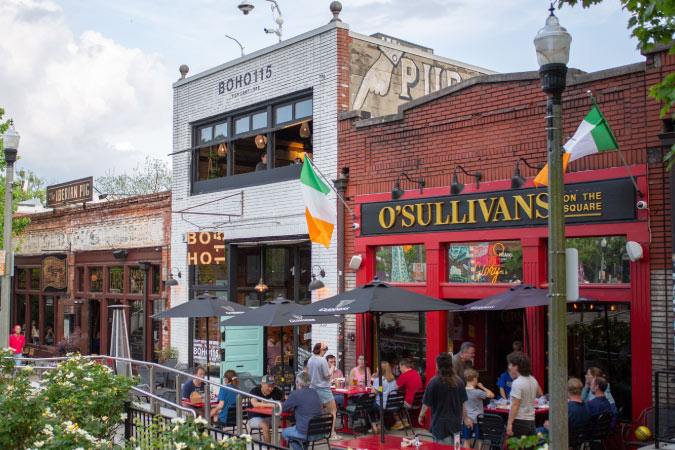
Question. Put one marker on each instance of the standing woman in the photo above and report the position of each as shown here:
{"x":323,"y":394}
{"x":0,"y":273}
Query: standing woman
{"x":360,"y":373}
{"x":16,"y":343}
{"x":446,"y":396}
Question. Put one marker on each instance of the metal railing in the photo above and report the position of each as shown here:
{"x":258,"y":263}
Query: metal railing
{"x":138,"y":425}
{"x":154,"y":399}
{"x":664,"y":407}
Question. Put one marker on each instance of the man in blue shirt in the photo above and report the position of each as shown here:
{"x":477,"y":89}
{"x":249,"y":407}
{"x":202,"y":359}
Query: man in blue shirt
{"x":577,"y":411}
{"x":599,"y":404}
{"x":306,"y":403}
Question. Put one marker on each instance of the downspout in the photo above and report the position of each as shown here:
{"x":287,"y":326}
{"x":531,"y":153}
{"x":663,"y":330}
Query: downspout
{"x":341,"y":186}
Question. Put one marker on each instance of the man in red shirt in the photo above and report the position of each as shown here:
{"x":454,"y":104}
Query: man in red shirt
{"x":409,"y":382}
{"x":16,"y":343}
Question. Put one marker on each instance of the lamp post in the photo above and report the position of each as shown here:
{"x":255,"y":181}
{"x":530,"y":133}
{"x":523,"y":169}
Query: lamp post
{"x":553,"y":48}
{"x":10,"y":143}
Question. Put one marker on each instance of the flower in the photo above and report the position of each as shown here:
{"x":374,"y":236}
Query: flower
{"x":123,"y":416}
{"x":180,"y":445}
{"x":39,"y":444}
{"x":201,"y":420}
{"x":178,"y":420}
{"x":247,"y":437}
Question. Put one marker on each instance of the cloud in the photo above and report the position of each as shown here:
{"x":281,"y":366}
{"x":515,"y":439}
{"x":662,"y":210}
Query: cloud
{"x":82,"y":104}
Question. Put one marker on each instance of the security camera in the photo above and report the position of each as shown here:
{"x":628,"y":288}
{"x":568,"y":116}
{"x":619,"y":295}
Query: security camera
{"x":641,"y":205}
{"x":267,"y":31}
{"x":355,"y":226}
{"x":245,"y":7}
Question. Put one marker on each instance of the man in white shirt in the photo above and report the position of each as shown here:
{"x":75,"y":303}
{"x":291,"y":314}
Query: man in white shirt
{"x":524,"y":391}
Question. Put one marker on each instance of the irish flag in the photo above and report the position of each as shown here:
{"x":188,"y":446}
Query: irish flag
{"x":319,"y":211}
{"x":592,"y":136}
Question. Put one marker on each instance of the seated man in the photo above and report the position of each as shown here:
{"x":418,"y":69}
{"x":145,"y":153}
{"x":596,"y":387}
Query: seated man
{"x":577,"y":411}
{"x":269,"y":391}
{"x":306,"y":403}
{"x":599,"y":404}
{"x":194,"y":385}
{"x":408,"y":382}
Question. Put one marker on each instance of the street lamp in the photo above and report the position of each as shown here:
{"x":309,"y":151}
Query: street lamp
{"x":10,"y":143}
{"x":553,"y":49}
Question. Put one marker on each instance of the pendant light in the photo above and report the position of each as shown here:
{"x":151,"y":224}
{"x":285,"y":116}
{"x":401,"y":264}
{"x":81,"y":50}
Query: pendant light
{"x":261,"y":287}
{"x":261,"y":141}
{"x":304,"y":130}
{"x":222,"y":150}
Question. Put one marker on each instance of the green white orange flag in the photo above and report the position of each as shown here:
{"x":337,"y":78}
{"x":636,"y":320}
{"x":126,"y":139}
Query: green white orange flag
{"x":592,"y":136}
{"x":319,"y":210}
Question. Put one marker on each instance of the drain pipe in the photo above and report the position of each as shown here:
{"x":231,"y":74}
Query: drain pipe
{"x":341,"y":187}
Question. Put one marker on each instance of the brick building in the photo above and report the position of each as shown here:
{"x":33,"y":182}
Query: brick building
{"x":277,"y":103}
{"x":74,"y":262}
{"x":467,"y":246}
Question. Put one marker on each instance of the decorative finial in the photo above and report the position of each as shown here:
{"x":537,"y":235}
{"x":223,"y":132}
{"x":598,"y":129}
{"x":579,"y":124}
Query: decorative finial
{"x":335,"y":8}
{"x":183,"y":69}
{"x":552,"y":9}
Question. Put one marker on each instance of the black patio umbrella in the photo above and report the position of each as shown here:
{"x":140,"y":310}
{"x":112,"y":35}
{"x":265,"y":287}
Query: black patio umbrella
{"x":204,"y":305}
{"x":516,"y":297}
{"x":280,"y":312}
{"x":378,"y":297}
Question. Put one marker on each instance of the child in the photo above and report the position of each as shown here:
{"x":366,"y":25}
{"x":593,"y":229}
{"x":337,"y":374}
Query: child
{"x":476,"y":393}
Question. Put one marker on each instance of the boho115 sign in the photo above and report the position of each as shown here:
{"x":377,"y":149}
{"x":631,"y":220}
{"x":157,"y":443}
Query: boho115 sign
{"x":205,"y":247}
{"x":78,"y":191}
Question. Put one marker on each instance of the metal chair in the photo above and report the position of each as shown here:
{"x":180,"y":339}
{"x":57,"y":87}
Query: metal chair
{"x":646,"y":418}
{"x":361,"y":409}
{"x":577,"y":436}
{"x":492,"y":428}
{"x":319,"y":427}
{"x":598,"y":429}
{"x":416,"y":406}
{"x":395,"y":406}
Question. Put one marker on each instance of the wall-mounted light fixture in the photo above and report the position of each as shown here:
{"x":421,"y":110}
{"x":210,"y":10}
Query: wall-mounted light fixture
{"x":397,"y":192}
{"x":317,"y":284}
{"x":456,"y":187}
{"x":516,"y":180}
{"x":120,"y":254}
{"x":172,"y":281}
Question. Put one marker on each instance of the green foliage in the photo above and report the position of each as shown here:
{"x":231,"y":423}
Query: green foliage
{"x":652,"y":22}
{"x":538,"y":442}
{"x":166,"y":354}
{"x":153,"y":176}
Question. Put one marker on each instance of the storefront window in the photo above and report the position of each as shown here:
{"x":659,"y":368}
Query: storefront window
{"x":602,"y":259}
{"x":469,"y":327}
{"x":599,"y":335}
{"x":156,"y":280}
{"x":34,"y":320}
{"x":401,"y":263}
{"x":135,"y":280}
{"x":485,"y":262}
{"x":35,"y":279}
{"x":80,"y":279}
{"x":116,"y":275}
{"x":21,"y":313}
{"x":96,"y":279}
{"x":49,"y":321}
{"x":403,"y":335}
{"x":211,"y":274}
{"x":136,"y":330}
{"x":21,"y":278}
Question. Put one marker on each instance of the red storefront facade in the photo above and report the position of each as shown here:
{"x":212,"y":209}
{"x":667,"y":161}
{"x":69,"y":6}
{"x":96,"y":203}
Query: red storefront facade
{"x":485,"y":124}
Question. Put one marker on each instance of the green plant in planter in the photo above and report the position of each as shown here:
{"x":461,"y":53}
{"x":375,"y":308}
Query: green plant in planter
{"x":88,"y":394}
{"x":166,"y":354}
{"x":538,"y":442}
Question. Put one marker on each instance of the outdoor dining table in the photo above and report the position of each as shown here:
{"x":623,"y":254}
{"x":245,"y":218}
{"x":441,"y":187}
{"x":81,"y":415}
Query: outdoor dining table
{"x":390,"y":442}
{"x":346,"y":393}
{"x":268,"y":412}
{"x":540,"y":413}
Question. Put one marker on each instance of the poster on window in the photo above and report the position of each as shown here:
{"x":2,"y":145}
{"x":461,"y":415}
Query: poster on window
{"x":485,"y":262}
{"x":199,"y":351}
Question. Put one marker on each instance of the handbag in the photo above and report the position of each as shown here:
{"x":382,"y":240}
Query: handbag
{"x":196,"y":397}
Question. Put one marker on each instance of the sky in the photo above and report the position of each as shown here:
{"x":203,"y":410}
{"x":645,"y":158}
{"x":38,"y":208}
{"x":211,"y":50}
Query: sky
{"x":88,"y":82}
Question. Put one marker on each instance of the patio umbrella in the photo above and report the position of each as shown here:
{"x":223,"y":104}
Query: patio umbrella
{"x":204,"y":305}
{"x":378,"y":297}
{"x":516,"y":297}
{"x":280,"y":312}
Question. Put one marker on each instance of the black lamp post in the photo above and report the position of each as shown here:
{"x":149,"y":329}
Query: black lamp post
{"x":10,"y":144}
{"x":553,"y":49}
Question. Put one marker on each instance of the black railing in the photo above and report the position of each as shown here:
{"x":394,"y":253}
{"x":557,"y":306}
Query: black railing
{"x":140,"y":424}
{"x":664,"y":407}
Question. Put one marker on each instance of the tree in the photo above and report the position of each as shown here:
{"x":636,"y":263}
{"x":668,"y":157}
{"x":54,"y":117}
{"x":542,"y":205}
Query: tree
{"x":153,"y":176}
{"x":652,"y":22}
{"x":34,"y":188}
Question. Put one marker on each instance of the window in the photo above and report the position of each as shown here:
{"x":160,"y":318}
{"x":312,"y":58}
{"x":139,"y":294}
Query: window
{"x":35,"y":279}
{"x":401,"y":263}
{"x":602,"y":259}
{"x":485,"y":262}
{"x":34,"y":320}
{"x":282,"y":130}
{"x":49,"y":320}
{"x":21,"y":278}
{"x":116,"y":275}
{"x":96,"y":279}
{"x":156,"y":280}
{"x":135,"y":280}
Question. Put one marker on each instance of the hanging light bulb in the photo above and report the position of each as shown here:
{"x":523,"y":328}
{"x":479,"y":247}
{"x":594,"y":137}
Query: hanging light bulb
{"x":304,"y":130}
{"x":222,"y":150}
{"x":261,"y":141}
{"x":261,"y":286}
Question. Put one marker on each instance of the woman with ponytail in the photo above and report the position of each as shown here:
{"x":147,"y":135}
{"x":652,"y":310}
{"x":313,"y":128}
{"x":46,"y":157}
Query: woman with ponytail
{"x":446,"y":396}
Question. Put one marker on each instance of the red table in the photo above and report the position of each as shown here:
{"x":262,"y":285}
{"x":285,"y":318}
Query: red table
{"x":346,"y":393}
{"x":390,"y":442}
{"x":268,"y":412}
{"x":197,"y":405}
{"x":540,"y":414}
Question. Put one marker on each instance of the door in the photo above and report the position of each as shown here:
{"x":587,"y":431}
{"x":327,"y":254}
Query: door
{"x":72,"y":325}
{"x":243,"y":350}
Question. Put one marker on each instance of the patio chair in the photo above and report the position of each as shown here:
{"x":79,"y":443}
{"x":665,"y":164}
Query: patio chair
{"x":360,"y":410}
{"x":320,"y":427}
{"x":231,"y":421}
{"x":577,"y":436}
{"x":646,"y":418}
{"x":493,"y":430}
{"x":395,"y":406}
{"x":598,"y":429}
{"x":416,"y":406}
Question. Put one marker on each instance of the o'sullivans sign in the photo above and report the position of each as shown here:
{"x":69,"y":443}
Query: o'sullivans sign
{"x":597,"y":201}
